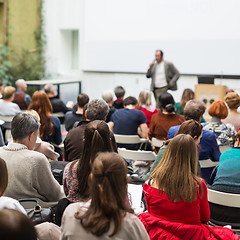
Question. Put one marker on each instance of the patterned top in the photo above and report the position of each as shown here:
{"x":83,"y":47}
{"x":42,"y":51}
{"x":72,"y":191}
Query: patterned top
{"x":225,"y":132}
{"x":70,"y":182}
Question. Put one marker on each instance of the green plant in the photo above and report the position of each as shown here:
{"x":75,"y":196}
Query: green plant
{"x":5,"y":65}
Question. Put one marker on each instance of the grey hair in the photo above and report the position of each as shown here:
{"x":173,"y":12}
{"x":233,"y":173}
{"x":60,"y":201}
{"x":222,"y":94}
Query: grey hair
{"x":48,"y":88}
{"x":19,"y":83}
{"x":193,"y":109}
{"x":97,"y":109}
{"x":107,"y":95}
{"x":22,"y":125}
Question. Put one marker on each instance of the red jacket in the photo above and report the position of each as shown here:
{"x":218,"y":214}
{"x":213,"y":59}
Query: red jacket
{"x":161,"y":229}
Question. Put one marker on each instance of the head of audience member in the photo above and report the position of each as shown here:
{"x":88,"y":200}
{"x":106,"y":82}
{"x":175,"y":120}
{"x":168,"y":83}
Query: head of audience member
{"x":97,"y":109}
{"x":237,"y":141}
{"x":42,"y":105}
{"x":159,"y":55}
{"x":14,"y":225}
{"x":119,"y":92}
{"x":166,"y":102}
{"x":8,"y":93}
{"x":144,"y":98}
{"x":194,"y":109}
{"x":24,"y":130}
{"x":82,"y":100}
{"x":21,"y":85}
{"x":130,"y":102}
{"x":218,"y":109}
{"x":177,"y":171}
{"x":188,"y":94}
{"x":107,"y":96}
{"x":49,"y":90}
{"x":193,"y":128}
{"x":96,"y":139}
{"x":233,"y":100}
{"x":33,"y":113}
{"x":108,"y":193}
{"x":3,"y":176}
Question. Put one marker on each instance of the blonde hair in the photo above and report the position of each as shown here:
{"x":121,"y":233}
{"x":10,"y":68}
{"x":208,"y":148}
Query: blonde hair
{"x":177,"y":172}
{"x":144,"y":98}
{"x":33,"y":113}
{"x":233,"y":100}
{"x":8,"y":92}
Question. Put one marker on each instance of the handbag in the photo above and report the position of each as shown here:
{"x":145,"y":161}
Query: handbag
{"x":38,"y":214}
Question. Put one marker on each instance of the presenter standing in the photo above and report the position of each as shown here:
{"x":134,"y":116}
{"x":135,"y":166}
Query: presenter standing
{"x":164,"y":76}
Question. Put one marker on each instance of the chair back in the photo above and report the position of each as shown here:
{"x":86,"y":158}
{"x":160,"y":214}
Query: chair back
{"x":129,"y":139}
{"x":208,"y":163}
{"x":157,"y":143}
{"x":136,"y":155}
{"x":224,"y":199}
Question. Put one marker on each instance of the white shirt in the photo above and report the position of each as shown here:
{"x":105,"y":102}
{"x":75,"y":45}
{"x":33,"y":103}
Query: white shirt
{"x":10,"y":203}
{"x":159,"y":76}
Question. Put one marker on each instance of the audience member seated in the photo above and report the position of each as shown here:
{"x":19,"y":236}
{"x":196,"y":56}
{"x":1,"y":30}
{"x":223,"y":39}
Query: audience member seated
{"x":126,"y":121}
{"x":21,"y":98}
{"x":76,"y":116}
{"x":227,"y":173}
{"x":224,"y":132}
{"x":7,"y":107}
{"x":29,"y":171}
{"x":233,"y":101}
{"x":43,"y":147}
{"x":191,"y":127}
{"x":176,"y":198}
{"x":188,"y":94}
{"x":145,"y":105}
{"x":96,"y":139}
{"x":50,"y":129}
{"x":57,"y":104}
{"x":73,"y":144}
{"x":108,"y":214}
{"x":107,"y":96}
{"x":15,"y":225}
{"x":119,"y":93}
{"x":209,"y":148}
{"x":162,"y":121}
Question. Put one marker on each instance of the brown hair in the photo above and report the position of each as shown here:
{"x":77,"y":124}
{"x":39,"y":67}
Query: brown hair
{"x":218,"y":109}
{"x":188,"y":94}
{"x":15,"y":225}
{"x":108,"y":194}
{"x":8,"y":92}
{"x":82,"y":99}
{"x":42,"y":105}
{"x":177,"y":171}
{"x":233,"y":100}
{"x":96,"y":139}
{"x":3,"y":176}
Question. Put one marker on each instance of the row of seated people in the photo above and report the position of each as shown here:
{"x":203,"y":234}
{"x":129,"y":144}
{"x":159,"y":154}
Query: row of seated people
{"x":174,"y":183}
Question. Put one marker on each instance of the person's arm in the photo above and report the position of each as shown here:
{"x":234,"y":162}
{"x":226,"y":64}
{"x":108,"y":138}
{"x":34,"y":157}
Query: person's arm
{"x":27,"y":100}
{"x":144,"y":130}
{"x":175,"y":75}
{"x":214,"y":151}
{"x":44,"y":182}
{"x":150,"y":70}
{"x":204,"y":205}
{"x":57,"y":128}
{"x":151,"y":128}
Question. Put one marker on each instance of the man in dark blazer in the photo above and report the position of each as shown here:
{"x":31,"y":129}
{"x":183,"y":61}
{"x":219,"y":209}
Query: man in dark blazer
{"x":164,"y":76}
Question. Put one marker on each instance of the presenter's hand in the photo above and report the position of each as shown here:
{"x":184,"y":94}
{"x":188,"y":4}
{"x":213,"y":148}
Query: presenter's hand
{"x":151,"y":64}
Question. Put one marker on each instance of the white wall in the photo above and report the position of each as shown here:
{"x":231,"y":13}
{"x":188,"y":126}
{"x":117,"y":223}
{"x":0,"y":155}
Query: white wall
{"x":62,"y":15}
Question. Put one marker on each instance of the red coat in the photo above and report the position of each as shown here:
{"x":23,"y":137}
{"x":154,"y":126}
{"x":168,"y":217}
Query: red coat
{"x":161,"y":229}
